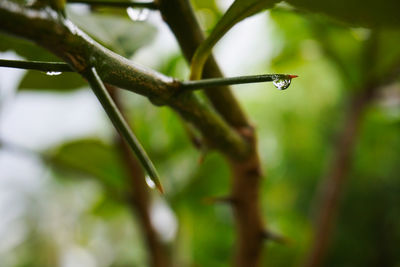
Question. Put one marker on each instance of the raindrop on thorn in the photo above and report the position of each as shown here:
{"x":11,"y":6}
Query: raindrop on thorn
{"x":283,"y":83}
{"x":150,"y":182}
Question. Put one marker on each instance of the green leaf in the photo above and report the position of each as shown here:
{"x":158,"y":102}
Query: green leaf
{"x":368,"y":13}
{"x":92,"y":157}
{"x":37,"y":80}
{"x":24,"y":48}
{"x":119,"y":34}
{"x":238,"y":11}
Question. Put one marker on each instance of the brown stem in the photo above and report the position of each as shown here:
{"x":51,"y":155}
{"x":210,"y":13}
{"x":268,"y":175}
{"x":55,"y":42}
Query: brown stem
{"x":249,"y":224}
{"x":331,"y":187}
{"x":139,"y":198}
{"x":246,"y":172}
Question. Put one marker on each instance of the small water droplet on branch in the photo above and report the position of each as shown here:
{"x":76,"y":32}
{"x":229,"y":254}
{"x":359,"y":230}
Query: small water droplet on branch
{"x":150,"y":182}
{"x":138,"y":14}
{"x":53,"y":73}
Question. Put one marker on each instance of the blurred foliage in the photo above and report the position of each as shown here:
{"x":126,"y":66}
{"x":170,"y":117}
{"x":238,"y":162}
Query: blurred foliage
{"x":297,"y":131}
{"x":34,"y":80}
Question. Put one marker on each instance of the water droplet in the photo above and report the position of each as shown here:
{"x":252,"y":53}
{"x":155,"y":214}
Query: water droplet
{"x":150,"y":182}
{"x":138,"y":14}
{"x":53,"y":73}
{"x":282,"y":84}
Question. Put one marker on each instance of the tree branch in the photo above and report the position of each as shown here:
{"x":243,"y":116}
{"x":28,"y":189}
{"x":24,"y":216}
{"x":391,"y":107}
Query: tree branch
{"x":68,"y":42}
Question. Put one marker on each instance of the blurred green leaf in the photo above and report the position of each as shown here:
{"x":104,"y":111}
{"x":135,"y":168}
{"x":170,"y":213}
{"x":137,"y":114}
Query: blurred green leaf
{"x":24,"y":48}
{"x":239,"y":10}
{"x":95,"y":158}
{"x":388,"y":50}
{"x":119,"y":34}
{"x":36,"y":80}
{"x":369,"y":13}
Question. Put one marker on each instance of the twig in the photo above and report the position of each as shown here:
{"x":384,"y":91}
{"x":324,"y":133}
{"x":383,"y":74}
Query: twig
{"x":186,"y":85}
{"x":36,"y":65}
{"x":121,"y":125}
{"x":121,"y":4}
{"x":206,"y":83}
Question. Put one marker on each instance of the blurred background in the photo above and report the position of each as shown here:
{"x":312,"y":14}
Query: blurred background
{"x":61,"y":179}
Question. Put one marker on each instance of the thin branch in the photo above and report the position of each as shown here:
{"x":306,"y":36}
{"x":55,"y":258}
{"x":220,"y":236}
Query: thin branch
{"x":121,"y":125}
{"x":206,"y":83}
{"x":186,"y":85}
{"x":36,"y":65}
{"x":118,"y":4}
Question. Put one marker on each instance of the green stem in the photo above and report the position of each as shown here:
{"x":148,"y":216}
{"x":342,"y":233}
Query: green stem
{"x":35,"y":65}
{"x":121,"y":4}
{"x":120,"y":124}
{"x":204,"y":83}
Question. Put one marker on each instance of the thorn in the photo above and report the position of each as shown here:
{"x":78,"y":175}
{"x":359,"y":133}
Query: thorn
{"x":293,"y":76}
{"x":223,"y":200}
{"x":160,"y":188}
{"x":197,"y":142}
{"x":247,"y":132}
{"x":203,"y":154}
{"x":278,"y":238}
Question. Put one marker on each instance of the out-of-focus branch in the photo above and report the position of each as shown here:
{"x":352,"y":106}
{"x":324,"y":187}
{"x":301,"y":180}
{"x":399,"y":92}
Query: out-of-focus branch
{"x":330,"y":189}
{"x":139,"y":198}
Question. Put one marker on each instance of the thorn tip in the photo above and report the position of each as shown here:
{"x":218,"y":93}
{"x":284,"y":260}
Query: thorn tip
{"x":160,"y":188}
